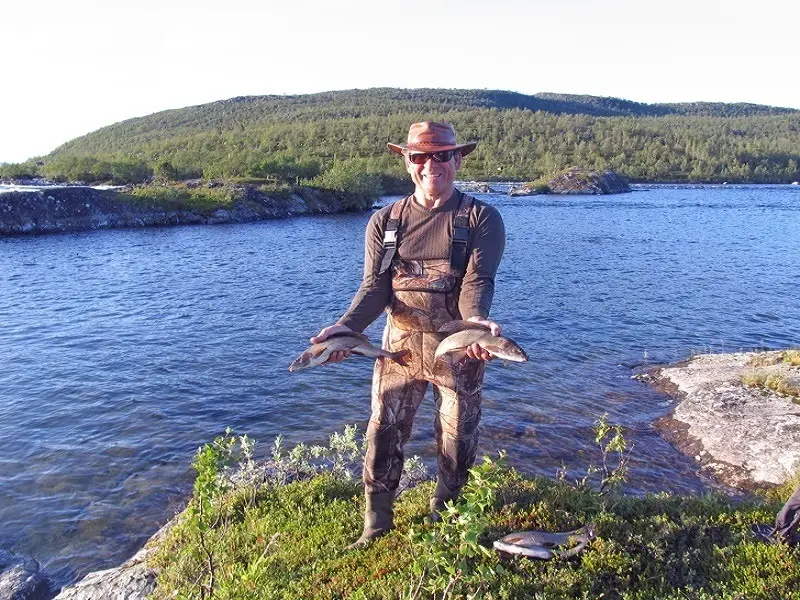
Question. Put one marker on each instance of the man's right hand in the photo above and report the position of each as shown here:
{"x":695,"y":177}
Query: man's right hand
{"x":324,"y":334}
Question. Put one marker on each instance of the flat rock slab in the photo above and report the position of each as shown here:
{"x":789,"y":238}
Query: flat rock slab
{"x":746,"y":437}
{"x":133,"y":580}
{"x":20,"y":578}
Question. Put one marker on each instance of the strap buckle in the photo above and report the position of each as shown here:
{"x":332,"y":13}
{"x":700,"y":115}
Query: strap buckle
{"x":389,"y":238}
{"x":460,"y":236}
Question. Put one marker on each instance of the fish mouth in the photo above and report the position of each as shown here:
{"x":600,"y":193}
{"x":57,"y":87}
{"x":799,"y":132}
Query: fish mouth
{"x":296,"y":366}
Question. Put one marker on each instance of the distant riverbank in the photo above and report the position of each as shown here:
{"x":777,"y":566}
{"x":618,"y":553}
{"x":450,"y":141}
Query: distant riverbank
{"x":57,"y":209}
{"x":40,"y":206}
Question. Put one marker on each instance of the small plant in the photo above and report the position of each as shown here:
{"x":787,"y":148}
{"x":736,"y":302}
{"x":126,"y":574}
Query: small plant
{"x":210,"y":486}
{"x":764,"y":360}
{"x":614,"y":457}
{"x":771,"y":381}
{"x":539,"y":185}
{"x":341,"y":457}
{"x":615,"y":454}
{"x":787,"y":357}
{"x":791,"y":357}
{"x":449,"y":556}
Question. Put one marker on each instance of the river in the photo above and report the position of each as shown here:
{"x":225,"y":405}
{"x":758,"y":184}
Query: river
{"x":123,"y":351}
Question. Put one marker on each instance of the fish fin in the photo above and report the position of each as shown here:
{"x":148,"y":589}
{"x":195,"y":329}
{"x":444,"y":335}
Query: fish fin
{"x":350,"y":334}
{"x":456,"y":326}
{"x":513,"y":539}
{"x":456,"y":353}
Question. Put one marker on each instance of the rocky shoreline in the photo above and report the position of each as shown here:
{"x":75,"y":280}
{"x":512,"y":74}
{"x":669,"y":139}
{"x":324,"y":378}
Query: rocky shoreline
{"x":83,"y":208}
{"x":746,"y":437}
{"x":71,"y":208}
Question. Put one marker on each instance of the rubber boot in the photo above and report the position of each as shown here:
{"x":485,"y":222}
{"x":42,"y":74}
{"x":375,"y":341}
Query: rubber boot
{"x":378,"y":518}
{"x":441,"y":495}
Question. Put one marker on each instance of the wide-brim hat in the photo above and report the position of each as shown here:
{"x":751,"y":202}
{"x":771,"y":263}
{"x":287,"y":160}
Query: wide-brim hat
{"x":430,"y":136}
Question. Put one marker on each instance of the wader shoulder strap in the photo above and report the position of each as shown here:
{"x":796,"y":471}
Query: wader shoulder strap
{"x":390,"y":235}
{"x":458,"y":248}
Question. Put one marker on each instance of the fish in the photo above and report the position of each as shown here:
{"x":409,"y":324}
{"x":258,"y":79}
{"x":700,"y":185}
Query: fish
{"x":357,"y":343}
{"x":466,"y":333}
{"x":545,"y":545}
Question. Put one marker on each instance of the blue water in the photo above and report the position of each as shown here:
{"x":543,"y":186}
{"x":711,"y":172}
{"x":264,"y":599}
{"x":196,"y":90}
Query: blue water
{"x":121,"y":352}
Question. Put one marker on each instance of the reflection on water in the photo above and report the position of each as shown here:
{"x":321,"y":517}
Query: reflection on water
{"x":123,"y":351}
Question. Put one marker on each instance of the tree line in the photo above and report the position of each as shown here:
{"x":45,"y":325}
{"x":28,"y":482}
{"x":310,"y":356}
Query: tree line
{"x":300,"y":139}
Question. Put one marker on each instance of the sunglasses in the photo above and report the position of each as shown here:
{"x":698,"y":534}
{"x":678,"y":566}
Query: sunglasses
{"x":420,"y":158}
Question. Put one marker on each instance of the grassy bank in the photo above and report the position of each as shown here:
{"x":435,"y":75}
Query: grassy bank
{"x":785,"y":383}
{"x":205,"y":196}
{"x":282,"y":532}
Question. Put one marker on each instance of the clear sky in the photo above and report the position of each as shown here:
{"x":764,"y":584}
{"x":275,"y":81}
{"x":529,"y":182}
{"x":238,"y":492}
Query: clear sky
{"x":70,"y":67}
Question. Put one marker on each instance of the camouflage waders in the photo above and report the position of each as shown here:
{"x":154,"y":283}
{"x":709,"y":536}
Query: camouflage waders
{"x":425,"y":297}
{"x":787,"y":521}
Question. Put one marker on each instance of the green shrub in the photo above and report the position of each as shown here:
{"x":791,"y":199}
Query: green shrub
{"x":164,"y":172}
{"x":359,"y":187}
{"x":771,"y":381}
{"x":26,"y":170}
{"x":202,"y":199}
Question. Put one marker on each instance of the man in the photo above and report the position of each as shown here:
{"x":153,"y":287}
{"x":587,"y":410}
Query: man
{"x":787,"y":523}
{"x":429,"y":259}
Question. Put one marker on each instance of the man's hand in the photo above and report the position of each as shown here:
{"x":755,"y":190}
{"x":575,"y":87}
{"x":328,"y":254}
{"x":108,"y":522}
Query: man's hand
{"x":324,"y":334}
{"x":475,"y":351}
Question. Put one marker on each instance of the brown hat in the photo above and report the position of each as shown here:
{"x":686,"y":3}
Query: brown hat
{"x":429,"y":136}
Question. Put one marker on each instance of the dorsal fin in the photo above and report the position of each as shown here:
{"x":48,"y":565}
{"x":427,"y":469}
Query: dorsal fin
{"x":355,"y":334}
{"x":456,"y":326}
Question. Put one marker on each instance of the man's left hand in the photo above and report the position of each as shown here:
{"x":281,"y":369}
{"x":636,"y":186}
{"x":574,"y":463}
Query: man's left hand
{"x":475,"y":351}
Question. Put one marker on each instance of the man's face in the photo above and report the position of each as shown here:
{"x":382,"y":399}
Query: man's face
{"x":434,"y":178}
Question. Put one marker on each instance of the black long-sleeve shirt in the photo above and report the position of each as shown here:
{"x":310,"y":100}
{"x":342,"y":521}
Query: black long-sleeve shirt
{"x":425,"y":234}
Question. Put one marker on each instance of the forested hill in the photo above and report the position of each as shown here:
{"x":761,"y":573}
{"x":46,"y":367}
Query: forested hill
{"x":250,"y":111}
{"x":521,"y":137}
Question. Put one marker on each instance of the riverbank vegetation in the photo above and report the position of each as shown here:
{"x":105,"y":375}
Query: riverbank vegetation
{"x":780,"y":382}
{"x":280,"y":532}
{"x":354,"y":189}
{"x":523,"y":138}
{"x":772,"y":381}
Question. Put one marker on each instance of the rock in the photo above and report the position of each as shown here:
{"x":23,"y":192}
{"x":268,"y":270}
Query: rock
{"x":527,"y":189}
{"x":20,"y":578}
{"x":576,"y":180}
{"x":746,"y":437}
{"x":520,"y":190}
{"x":133,"y":580}
{"x":473,"y":186}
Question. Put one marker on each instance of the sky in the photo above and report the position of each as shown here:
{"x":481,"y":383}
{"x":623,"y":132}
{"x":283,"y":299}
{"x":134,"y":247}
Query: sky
{"x":69,"y":68}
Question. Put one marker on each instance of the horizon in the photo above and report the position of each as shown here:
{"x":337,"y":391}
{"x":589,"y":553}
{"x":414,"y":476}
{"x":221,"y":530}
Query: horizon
{"x":88,"y":65}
